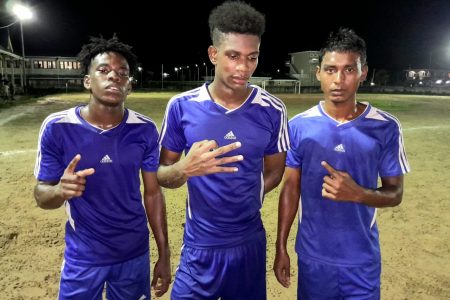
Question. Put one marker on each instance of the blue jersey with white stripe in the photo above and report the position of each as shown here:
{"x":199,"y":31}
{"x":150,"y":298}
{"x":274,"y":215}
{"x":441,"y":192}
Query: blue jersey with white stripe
{"x":367,"y":147}
{"x":108,"y":223}
{"x":224,"y":209}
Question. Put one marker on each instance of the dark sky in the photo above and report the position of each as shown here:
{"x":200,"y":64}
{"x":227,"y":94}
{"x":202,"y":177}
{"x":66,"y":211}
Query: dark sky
{"x":398,"y":33}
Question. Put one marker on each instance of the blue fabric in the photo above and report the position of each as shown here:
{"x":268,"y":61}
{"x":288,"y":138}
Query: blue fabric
{"x":320,"y":281}
{"x":367,"y":147}
{"x":108,"y":223}
{"x":223,"y":209}
{"x":229,"y":273}
{"x":127,"y":280}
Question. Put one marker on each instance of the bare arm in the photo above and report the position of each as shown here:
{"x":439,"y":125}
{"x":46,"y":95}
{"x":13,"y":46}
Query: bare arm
{"x":273,"y":170}
{"x":201,"y":160}
{"x":340,"y":186}
{"x":287,"y":210}
{"x":51,"y":195}
{"x":156,"y":214}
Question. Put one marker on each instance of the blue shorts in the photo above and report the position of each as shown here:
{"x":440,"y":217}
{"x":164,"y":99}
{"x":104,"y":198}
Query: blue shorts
{"x":127,"y":280}
{"x":229,"y":273}
{"x":317,"y":280}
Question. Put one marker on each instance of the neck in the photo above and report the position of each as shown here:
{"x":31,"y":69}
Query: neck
{"x":228,"y":97}
{"x":345,"y":111}
{"x":102,"y":116}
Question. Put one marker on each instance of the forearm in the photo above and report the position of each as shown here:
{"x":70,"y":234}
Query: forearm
{"x":48,"y":196}
{"x":287,"y":210}
{"x":381,"y":197}
{"x":156,"y":214}
{"x":171,"y":176}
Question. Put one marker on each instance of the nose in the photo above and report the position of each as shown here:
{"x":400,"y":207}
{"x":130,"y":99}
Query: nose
{"x":339,"y":77}
{"x":243,"y":66}
{"x":113,"y":75}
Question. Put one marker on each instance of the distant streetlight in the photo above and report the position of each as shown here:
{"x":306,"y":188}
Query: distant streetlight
{"x":23,"y":13}
{"x":140,"y":74}
{"x":176,"y":71}
{"x":206,"y":70}
{"x":198,"y":72}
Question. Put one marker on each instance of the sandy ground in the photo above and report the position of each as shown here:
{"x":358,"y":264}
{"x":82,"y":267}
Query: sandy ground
{"x":414,"y":236}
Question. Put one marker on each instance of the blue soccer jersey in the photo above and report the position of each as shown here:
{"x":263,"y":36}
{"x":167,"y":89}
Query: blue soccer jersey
{"x":223,"y":209}
{"x":367,"y":147}
{"x":108,"y":223}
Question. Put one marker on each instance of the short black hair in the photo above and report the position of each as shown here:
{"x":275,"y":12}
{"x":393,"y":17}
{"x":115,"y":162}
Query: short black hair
{"x":99,"y":45}
{"x":235,"y":17}
{"x":345,"y":40}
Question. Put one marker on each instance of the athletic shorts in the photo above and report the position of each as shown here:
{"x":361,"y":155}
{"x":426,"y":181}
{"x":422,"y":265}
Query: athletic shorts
{"x":127,"y":280}
{"x":317,"y":280}
{"x":229,"y":273}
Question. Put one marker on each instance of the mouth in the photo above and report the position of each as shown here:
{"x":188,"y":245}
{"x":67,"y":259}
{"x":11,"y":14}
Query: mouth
{"x":113,"y":89}
{"x":337,"y":93}
{"x":240,"y":80}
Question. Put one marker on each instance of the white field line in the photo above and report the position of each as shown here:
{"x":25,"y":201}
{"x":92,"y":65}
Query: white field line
{"x":426,"y":127}
{"x":12,"y":117}
{"x":16,"y":152}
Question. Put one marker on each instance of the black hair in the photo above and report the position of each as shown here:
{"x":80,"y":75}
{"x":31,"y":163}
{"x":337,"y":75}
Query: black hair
{"x":99,"y":45}
{"x":345,"y":40}
{"x":235,"y":17}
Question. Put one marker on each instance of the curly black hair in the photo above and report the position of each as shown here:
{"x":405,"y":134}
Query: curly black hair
{"x":235,"y":17}
{"x":345,"y":40}
{"x":99,"y":45}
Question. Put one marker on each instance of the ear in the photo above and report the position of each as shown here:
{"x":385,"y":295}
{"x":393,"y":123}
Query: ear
{"x":212,"y":54}
{"x":318,"y":73}
{"x":130,"y":86}
{"x":364,"y":71}
{"x":87,"y":82}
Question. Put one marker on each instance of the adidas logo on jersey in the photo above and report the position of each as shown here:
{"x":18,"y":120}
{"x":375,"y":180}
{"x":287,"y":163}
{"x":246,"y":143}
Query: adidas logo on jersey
{"x":339,"y":148}
{"x":106,"y":160}
{"x":230,"y":136}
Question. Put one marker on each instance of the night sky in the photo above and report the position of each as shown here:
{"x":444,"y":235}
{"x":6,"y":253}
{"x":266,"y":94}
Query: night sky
{"x":399,"y":34}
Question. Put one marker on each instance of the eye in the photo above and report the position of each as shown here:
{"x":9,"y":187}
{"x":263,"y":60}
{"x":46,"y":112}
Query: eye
{"x":104,"y":70}
{"x":124,"y":73}
{"x":350,"y":70}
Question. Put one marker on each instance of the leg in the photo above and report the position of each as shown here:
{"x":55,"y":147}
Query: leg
{"x":81,"y":282}
{"x":317,"y":280}
{"x":362,"y":282}
{"x":246,"y":270}
{"x":130,"y":279}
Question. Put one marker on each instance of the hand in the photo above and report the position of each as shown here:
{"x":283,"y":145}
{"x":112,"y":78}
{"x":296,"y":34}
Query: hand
{"x":73,"y":184}
{"x":161,"y":277}
{"x":282,"y":268}
{"x":202,"y":159}
{"x":340,"y":186}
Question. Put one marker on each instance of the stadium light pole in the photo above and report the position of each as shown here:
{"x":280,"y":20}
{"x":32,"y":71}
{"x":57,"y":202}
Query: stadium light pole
{"x":23,"y":13}
{"x":198,"y":72}
{"x":206,"y":70}
{"x":140,"y":75}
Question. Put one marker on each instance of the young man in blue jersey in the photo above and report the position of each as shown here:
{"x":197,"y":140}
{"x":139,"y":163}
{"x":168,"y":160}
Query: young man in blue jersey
{"x":89,"y":159}
{"x":339,"y":149}
{"x":224,"y":251}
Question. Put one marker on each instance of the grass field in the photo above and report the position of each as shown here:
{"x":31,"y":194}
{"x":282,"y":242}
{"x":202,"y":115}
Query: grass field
{"x":415,"y":236}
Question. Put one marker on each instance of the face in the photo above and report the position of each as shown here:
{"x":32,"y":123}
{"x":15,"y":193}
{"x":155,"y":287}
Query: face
{"x":235,"y":59}
{"x":109,"y":78}
{"x":340,"y":75}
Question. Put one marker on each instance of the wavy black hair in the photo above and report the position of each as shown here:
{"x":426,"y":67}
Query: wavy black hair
{"x":345,"y":40}
{"x":99,"y":45}
{"x":235,"y":17}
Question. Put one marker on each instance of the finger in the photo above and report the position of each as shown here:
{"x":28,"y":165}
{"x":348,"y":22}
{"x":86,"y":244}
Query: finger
{"x":329,"y":188}
{"x":329,"y":168}
{"x":225,"y":149}
{"x":328,"y":195}
{"x":73,"y":164}
{"x":211,"y":145}
{"x":222,"y":170}
{"x":227,"y":160}
{"x":328,"y":180}
{"x":154,"y":281}
{"x":85,"y":172}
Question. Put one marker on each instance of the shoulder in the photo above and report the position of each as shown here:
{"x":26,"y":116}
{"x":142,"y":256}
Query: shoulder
{"x":382,"y":117}
{"x":195,"y":95}
{"x":61,"y":117}
{"x":266,"y":100}
{"x":309,"y":114}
